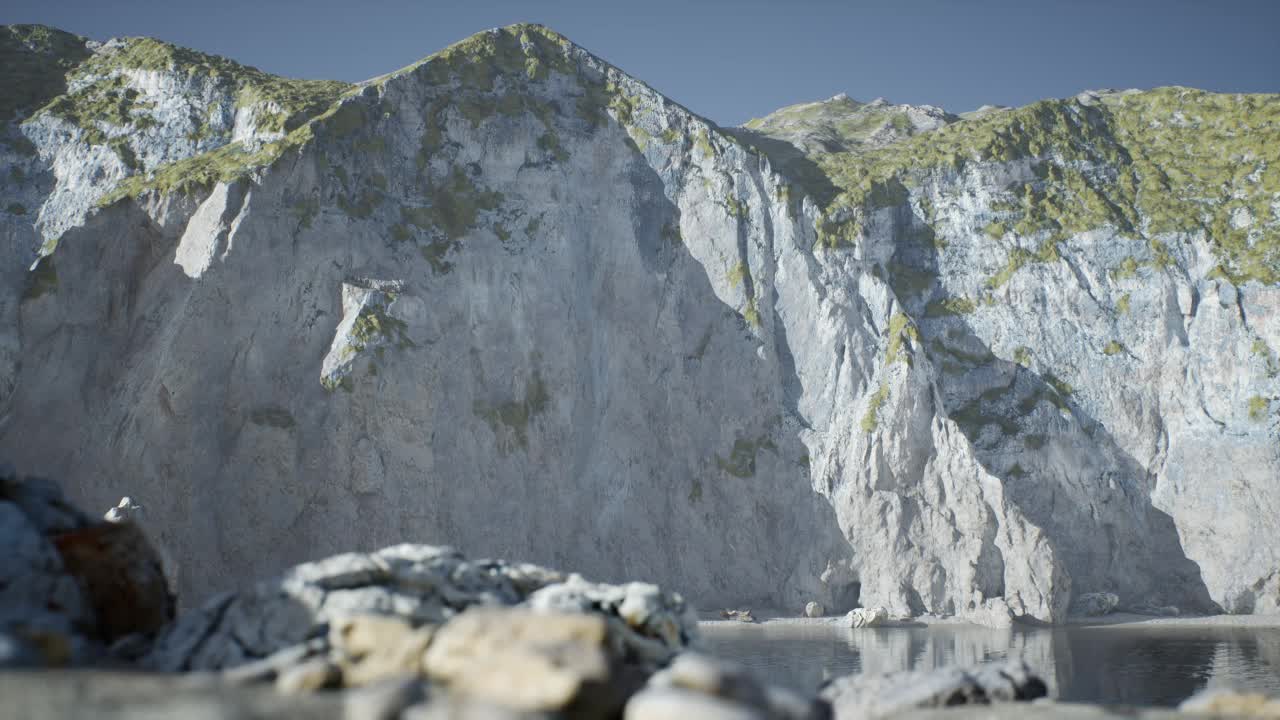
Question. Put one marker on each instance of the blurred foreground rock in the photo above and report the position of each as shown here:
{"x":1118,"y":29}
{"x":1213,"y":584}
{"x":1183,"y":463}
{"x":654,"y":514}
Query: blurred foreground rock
{"x":1223,"y":702}
{"x":700,"y":686}
{"x":420,"y":586}
{"x":863,"y":697}
{"x":70,"y":586}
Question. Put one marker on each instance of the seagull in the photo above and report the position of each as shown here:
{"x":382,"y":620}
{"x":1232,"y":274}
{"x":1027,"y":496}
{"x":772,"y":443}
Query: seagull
{"x":124,"y":510}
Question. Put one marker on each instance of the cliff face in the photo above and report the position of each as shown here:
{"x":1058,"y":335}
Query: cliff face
{"x":511,"y":299}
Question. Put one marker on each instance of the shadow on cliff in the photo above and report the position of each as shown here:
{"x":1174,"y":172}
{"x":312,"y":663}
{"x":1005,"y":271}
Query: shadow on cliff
{"x":762,"y":481}
{"x":791,"y":162}
{"x":1057,"y":463}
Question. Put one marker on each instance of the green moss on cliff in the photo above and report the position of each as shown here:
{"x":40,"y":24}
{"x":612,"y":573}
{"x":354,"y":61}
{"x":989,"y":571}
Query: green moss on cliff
{"x":374,"y":326}
{"x":735,"y":207}
{"x":871,"y":419}
{"x":42,"y":280}
{"x":195,"y":174}
{"x":751,"y":314}
{"x":455,"y":205}
{"x":293,"y":101}
{"x":741,"y":462}
{"x":527,"y":51}
{"x":549,"y":143}
{"x":515,"y":415}
{"x":949,"y":306}
{"x":110,"y":103}
{"x":1143,"y":163}
{"x":902,"y":333}
{"x":1261,"y":350}
{"x":1258,"y":408}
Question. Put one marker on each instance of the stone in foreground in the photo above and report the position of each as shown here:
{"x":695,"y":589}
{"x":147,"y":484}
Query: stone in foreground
{"x":417,"y":585}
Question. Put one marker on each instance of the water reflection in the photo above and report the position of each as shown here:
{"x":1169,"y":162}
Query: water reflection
{"x":1129,"y":666}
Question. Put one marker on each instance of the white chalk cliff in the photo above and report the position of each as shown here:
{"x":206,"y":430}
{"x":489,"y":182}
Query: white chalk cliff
{"x":516,"y":301}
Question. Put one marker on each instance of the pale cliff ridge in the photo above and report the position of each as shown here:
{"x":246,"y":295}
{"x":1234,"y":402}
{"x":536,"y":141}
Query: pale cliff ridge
{"x":513,"y":300}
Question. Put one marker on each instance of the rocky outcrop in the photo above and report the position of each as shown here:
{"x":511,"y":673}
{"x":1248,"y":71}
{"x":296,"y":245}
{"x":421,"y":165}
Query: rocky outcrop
{"x":859,"y":354}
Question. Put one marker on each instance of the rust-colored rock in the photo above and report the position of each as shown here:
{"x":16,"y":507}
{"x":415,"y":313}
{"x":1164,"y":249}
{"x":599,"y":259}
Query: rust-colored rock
{"x":121,"y":574}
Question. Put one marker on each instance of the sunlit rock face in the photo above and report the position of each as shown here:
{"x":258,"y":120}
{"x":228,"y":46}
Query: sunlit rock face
{"x":513,"y":300}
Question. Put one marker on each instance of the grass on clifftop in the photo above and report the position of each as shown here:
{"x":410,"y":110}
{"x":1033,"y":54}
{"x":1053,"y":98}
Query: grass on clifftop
{"x":1144,"y":163}
{"x":295,"y":101}
{"x":526,"y":51}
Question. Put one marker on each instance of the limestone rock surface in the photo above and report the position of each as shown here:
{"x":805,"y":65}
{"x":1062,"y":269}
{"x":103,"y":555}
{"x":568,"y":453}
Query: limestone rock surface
{"x":867,"y":617}
{"x":512,"y":298}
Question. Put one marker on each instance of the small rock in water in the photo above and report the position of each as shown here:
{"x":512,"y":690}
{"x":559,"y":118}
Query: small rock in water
{"x":814,"y":610}
{"x":739,"y":615}
{"x":867,"y":617}
{"x":1095,"y":604}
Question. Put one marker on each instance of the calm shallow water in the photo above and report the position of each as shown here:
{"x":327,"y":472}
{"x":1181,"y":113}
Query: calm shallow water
{"x":1111,"y":666}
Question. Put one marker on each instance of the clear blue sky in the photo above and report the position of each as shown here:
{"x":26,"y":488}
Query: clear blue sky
{"x":735,"y":59}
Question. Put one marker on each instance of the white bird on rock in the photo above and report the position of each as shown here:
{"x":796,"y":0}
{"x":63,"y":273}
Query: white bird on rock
{"x":124,"y":510}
